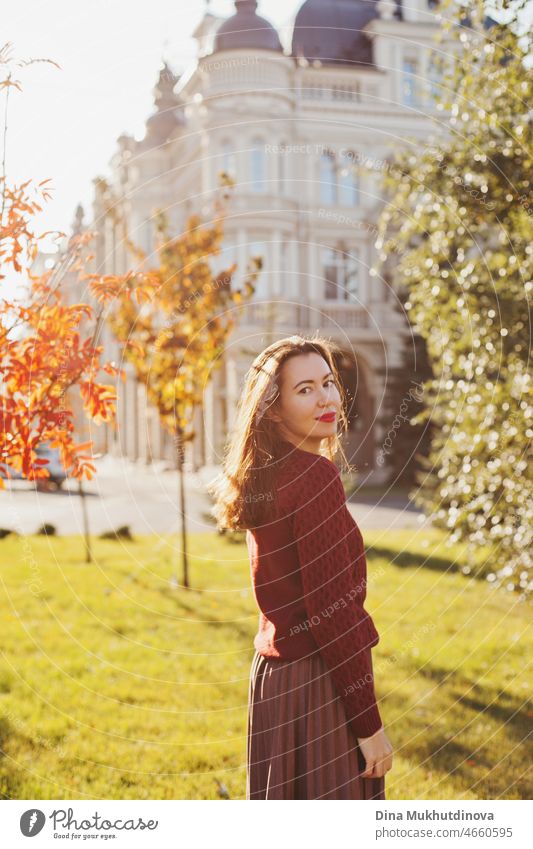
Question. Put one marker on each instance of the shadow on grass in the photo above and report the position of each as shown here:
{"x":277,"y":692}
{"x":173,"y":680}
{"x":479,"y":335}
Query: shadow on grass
{"x":484,"y":699}
{"x":179,"y":597}
{"x":410,"y":560}
{"x":489,"y":767}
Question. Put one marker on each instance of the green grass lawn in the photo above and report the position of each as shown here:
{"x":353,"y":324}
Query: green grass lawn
{"x":116,"y":685}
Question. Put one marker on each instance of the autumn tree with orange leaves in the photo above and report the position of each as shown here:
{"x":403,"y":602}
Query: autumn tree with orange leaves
{"x":44,"y":354}
{"x":176,"y":340}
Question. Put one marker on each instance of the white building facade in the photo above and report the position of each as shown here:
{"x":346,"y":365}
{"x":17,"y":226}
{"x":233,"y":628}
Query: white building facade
{"x":306,"y":130}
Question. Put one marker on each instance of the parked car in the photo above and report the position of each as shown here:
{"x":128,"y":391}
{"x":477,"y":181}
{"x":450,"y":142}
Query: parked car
{"x":9,"y":473}
{"x":58,"y":473}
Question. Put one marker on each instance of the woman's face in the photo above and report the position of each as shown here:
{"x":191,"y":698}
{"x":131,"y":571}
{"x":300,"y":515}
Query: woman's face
{"x":308,"y":390}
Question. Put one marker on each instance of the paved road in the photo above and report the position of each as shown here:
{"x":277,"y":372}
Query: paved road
{"x":146,"y":499}
{"x":390,"y":512}
{"x":121,"y":493}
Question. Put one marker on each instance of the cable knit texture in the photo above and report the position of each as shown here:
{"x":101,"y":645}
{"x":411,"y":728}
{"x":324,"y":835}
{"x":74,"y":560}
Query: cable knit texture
{"x":308,"y":571}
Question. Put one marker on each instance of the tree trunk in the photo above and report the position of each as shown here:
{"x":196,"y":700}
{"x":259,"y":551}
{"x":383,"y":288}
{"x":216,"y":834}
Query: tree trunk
{"x":185,"y":563}
{"x":85,"y":515}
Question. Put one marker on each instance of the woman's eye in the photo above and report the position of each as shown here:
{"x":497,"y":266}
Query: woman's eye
{"x":331,"y":380}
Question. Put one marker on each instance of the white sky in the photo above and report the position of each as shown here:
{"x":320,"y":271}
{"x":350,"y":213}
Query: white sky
{"x":65,"y":122}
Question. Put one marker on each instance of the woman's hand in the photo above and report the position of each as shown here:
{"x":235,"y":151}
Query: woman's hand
{"x":377,"y":752}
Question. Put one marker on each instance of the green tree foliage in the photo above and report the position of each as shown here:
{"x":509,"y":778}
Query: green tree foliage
{"x":462,"y":210}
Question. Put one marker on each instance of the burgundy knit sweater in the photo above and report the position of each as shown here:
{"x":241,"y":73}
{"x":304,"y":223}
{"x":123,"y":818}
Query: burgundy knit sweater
{"x":308,"y":571}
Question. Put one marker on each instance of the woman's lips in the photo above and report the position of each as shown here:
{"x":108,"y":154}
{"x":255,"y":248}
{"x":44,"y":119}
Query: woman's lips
{"x":327,"y":417}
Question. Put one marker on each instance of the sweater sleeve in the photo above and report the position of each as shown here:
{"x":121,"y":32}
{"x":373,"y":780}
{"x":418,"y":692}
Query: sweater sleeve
{"x":341,"y":627}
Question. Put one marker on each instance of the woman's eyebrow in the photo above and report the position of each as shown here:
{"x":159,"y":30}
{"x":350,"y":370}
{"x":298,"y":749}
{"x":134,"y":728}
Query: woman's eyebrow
{"x":312,"y":381}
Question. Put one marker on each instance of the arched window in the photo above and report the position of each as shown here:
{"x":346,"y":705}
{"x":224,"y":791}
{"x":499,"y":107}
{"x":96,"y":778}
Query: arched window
{"x":284,"y":272}
{"x":229,"y":159}
{"x":435,"y":81}
{"x":148,"y":233}
{"x":328,"y":182}
{"x":226,"y":257}
{"x":282,"y":168}
{"x":340,"y":270}
{"x":284,"y":257}
{"x":410,"y":81}
{"x":348,"y":179}
{"x":258,"y":165}
{"x":259,"y":249}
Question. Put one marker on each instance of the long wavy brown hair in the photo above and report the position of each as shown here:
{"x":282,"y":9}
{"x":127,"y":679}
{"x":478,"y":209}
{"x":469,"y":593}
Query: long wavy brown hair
{"x":245,"y":488}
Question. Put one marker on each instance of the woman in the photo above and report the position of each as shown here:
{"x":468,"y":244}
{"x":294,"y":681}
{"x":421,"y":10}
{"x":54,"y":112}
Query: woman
{"x":314,"y":728}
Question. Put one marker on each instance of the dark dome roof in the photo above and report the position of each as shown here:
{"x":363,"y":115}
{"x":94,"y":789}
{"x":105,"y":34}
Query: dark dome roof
{"x":330,"y":30}
{"x":246,"y":29}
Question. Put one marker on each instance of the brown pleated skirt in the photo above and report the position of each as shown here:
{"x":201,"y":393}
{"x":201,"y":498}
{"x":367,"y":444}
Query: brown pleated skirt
{"x":300,"y":745}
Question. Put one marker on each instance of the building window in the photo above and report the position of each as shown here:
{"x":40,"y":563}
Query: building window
{"x":434,"y":79}
{"x":284,"y":257}
{"x":258,"y":165}
{"x":148,"y":236}
{"x":340,"y":270}
{"x":259,"y":249}
{"x":348,"y":179}
{"x":229,"y":160}
{"x":284,"y":286}
{"x":226,"y":257}
{"x":410,"y":82}
{"x":282,"y":168}
{"x":328,"y":181}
